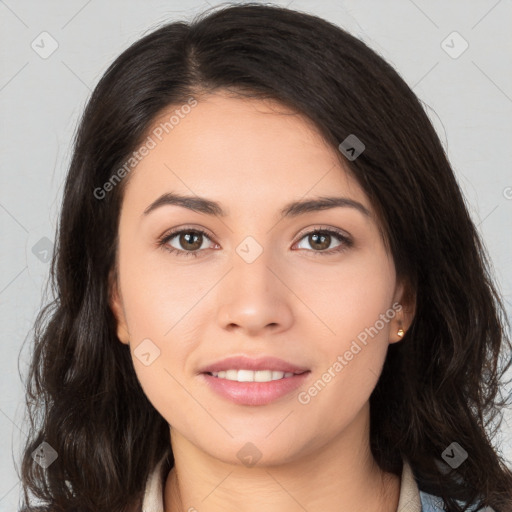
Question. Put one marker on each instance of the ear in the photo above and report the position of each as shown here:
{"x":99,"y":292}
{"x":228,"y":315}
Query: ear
{"x":404,"y":305}
{"x":116,"y":305}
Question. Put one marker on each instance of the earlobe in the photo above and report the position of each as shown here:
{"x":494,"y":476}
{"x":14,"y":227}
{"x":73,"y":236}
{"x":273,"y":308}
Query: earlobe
{"x":397,"y":330}
{"x":404,"y":314}
{"x":116,"y":306}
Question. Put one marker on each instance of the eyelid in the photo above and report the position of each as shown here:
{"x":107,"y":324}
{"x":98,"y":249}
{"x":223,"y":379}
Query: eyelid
{"x":186,"y":227}
{"x":316,"y":227}
{"x":300,"y":234}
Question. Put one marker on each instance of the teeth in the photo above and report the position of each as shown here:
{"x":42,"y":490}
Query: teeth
{"x":252,"y":376}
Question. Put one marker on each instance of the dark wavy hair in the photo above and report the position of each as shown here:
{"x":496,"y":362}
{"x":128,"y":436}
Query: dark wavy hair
{"x":441,"y":383}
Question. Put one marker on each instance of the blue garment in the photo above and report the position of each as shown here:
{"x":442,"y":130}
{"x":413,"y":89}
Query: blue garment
{"x":431,"y":503}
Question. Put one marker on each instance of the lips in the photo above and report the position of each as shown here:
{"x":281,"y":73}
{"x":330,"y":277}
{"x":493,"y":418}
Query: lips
{"x":255,"y":364}
{"x":253,"y":393}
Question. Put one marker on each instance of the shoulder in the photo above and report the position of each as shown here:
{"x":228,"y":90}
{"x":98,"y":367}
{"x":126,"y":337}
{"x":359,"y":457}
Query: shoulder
{"x":432,"y":503}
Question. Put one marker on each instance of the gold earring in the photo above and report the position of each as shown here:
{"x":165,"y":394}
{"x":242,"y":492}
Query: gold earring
{"x":400,"y":332}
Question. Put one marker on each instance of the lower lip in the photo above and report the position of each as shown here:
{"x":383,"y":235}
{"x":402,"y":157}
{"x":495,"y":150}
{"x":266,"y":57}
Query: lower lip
{"x":254,"y":393}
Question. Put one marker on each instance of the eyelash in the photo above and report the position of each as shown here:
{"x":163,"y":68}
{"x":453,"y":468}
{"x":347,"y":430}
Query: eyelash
{"x":162,"y":241}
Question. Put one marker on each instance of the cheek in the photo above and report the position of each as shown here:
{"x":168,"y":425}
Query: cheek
{"x":158,"y":305}
{"x":349,"y":299}
{"x":346,"y":376}
{"x":157,"y":293}
{"x":355,"y":309}
{"x":159,"y":362}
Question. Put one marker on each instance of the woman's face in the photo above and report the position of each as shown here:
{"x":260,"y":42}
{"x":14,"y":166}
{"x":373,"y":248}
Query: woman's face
{"x":259,"y":283}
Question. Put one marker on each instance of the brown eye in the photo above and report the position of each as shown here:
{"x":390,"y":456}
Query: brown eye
{"x":321,"y":239}
{"x":189,"y":242}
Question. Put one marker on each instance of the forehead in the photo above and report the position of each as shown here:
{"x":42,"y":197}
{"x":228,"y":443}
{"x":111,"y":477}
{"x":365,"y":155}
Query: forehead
{"x":251,"y":151}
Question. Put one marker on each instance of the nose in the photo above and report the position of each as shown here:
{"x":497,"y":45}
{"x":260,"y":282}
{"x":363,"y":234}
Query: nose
{"x":253,"y":297}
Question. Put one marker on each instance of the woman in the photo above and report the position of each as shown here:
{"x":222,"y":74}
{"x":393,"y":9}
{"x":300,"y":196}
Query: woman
{"x":271,"y":295}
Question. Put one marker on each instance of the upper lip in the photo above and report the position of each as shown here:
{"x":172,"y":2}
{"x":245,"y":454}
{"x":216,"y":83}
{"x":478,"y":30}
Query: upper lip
{"x":248,"y":363}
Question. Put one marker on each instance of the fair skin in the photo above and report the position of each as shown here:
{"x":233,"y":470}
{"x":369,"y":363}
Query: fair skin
{"x":291,"y":302}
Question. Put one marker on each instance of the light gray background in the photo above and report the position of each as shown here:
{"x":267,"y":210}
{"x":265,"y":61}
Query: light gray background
{"x":469,"y":99}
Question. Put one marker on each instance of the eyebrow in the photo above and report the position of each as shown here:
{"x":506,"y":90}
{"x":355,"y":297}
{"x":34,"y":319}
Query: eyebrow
{"x":292,"y":209}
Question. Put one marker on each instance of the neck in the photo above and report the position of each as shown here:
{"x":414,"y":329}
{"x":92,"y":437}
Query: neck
{"x":334,"y":477}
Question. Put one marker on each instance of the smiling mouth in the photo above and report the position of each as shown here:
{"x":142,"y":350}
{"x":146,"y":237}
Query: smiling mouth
{"x":254,"y":387}
{"x":252,"y":375}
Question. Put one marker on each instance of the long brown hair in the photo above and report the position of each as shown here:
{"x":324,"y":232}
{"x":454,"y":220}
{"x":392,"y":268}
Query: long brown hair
{"x":440,"y":385}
